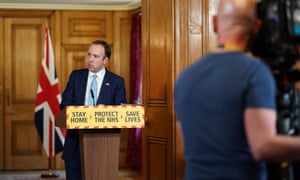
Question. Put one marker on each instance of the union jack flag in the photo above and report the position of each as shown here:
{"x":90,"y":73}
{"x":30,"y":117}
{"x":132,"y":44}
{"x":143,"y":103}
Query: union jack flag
{"x":47,"y":103}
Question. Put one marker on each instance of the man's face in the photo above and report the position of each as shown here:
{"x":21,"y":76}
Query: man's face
{"x":96,"y":58}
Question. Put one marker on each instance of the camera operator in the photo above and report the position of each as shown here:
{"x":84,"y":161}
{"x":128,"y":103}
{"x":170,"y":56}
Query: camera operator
{"x":225,"y":105}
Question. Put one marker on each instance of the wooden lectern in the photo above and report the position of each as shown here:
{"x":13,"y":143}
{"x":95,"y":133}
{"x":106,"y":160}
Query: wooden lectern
{"x":99,"y":151}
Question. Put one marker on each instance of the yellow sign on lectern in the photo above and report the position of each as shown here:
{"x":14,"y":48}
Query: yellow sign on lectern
{"x":105,"y":116}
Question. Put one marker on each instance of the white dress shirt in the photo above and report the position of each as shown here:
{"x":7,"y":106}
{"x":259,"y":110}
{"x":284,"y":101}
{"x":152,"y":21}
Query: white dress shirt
{"x":100,"y":77}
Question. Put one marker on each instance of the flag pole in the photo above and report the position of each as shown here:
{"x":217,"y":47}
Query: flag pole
{"x":48,"y":91}
{"x":50,"y":173}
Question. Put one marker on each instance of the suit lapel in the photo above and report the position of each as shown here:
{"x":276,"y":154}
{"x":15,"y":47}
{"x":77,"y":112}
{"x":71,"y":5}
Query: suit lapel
{"x":105,"y":88}
{"x":83,"y":85}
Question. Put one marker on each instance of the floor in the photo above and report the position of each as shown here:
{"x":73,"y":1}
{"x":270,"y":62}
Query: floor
{"x":124,"y":174}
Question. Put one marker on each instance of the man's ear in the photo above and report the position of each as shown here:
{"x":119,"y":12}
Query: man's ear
{"x":105,"y":60}
{"x":215,"y":23}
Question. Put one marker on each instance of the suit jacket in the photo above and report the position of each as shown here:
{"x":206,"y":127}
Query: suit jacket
{"x":112,"y":93}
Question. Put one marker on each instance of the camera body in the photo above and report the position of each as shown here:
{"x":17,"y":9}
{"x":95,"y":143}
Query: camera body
{"x":279,"y":34}
{"x":277,"y":43}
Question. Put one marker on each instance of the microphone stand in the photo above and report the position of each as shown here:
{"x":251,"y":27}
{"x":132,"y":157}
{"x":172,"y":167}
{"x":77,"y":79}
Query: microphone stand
{"x":92,"y":94}
{"x":50,"y":173}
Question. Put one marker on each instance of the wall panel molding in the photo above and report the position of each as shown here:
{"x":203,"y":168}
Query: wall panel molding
{"x":86,"y":26}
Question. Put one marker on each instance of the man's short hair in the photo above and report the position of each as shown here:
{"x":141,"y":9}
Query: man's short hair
{"x":105,"y":45}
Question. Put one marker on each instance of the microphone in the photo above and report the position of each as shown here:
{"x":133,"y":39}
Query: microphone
{"x":92,"y":94}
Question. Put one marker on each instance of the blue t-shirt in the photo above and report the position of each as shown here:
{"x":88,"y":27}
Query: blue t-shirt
{"x":210,"y":99}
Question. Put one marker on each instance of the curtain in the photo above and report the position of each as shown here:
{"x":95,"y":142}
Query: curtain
{"x":133,"y":158}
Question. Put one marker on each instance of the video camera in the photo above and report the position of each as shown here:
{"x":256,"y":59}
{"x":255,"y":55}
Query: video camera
{"x":277,"y":43}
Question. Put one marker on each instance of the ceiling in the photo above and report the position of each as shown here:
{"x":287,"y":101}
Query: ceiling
{"x":71,"y":4}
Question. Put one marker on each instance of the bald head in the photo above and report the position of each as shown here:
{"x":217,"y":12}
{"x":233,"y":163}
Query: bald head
{"x":236,"y":18}
{"x":237,"y":8}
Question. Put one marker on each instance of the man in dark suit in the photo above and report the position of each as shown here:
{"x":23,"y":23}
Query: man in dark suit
{"x":110,"y":90}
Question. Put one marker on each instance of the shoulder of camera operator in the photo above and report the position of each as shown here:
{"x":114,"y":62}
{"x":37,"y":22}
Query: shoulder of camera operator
{"x":250,"y":54}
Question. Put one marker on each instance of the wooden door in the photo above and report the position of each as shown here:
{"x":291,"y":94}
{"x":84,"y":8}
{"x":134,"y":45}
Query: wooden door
{"x":175,"y":34}
{"x":157,"y":53}
{"x":114,"y":28}
{"x":1,"y":98}
{"x":194,"y":38}
{"x":23,"y":55}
